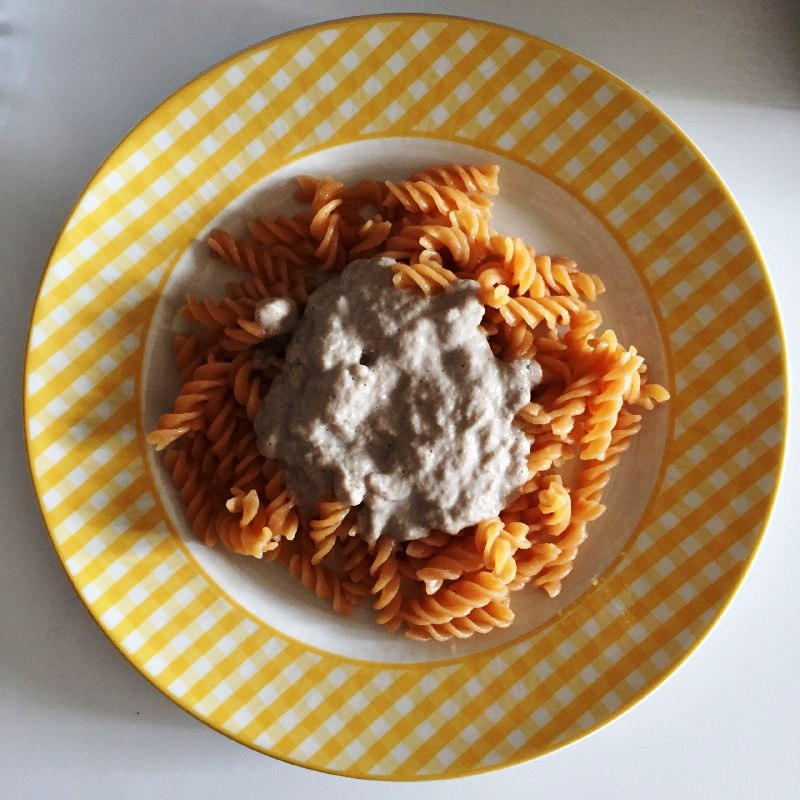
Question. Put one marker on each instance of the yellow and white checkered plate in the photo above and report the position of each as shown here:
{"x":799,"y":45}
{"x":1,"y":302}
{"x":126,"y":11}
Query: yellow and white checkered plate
{"x":589,"y":168}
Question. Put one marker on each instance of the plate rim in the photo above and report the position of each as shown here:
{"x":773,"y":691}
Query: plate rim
{"x":780,"y":447}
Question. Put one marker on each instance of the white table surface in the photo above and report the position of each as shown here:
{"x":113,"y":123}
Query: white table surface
{"x":76,"y":720}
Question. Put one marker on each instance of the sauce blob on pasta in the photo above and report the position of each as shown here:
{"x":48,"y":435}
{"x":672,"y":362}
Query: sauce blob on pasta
{"x":395,"y":404}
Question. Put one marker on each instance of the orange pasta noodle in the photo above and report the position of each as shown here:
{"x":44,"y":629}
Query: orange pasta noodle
{"x":518,"y":260}
{"x":495,"y":614}
{"x":194,"y":492}
{"x":325,"y":229}
{"x":586,"y":506}
{"x":650,"y":395}
{"x":604,"y":407}
{"x":517,"y":342}
{"x":453,"y":560}
{"x":249,"y":466}
{"x":190,"y":404}
{"x":428,"y":276}
{"x":452,"y":242}
{"x":421,"y":197}
{"x":476,"y":226}
{"x":456,"y":600}
{"x":386,"y":587}
{"x":498,"y":544}
{"x":241,"y":254}
{"x":562,"y":276}
{"x":331,"y":515}
{"x":569,"y":405}
{"x":372,"y":234}
{"x":547,"y":449}
{"x":356,"y":569}
{"x":323,"y":582}
{"x":251,"y":538}
{"x":189,"y":354}
{"x":282,"y":230}
{"x":428,"y":545}
{"x":557,"y":370}
{"x":281,"y":515}
{"x":532,"y":562}
{"x":306,"y":188}
{"x":596,"y":474}
{"x":552,"y":311}
{"x":210,"y":315}
{"x":519,"y":510}
{"x":555,"y":505}
{"x":248,"y":383}
{"x":470,"y":179}
{"x":364,"y":193}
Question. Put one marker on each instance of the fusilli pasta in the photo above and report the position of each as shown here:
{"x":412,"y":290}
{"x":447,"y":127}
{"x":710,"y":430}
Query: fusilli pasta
{"x":437,"y":225}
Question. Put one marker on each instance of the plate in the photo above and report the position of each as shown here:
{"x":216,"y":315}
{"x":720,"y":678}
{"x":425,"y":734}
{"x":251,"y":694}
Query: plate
{"x":589,"y":167}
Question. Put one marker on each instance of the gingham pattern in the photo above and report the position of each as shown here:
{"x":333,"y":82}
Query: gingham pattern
{"x":504,"y":92}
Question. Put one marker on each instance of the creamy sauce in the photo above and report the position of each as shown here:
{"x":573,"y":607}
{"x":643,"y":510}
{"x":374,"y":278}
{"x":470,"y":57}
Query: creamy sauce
{"x":276,"y":315}
{"x":395,"y":403}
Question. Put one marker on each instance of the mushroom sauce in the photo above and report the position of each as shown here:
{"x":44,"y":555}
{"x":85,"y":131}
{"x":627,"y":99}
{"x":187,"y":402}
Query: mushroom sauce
{"x":395,"y":404}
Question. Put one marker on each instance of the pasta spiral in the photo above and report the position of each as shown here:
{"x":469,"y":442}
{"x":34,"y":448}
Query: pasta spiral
{"x":324,"y":529}
{"x":189,"y":408}
{"x":386,"y":587}
{"x":372,"y":234}
{"x":440,"y":239}
{"x":550,"y":310}
{"x":456,"y":600}
{"x":195,"y":492}
{"x":428,"y":545}
{"x":555,"y":505}
{"x":281,"y":230}
{"x":495,"y":614}
{"x":452,"y":561}
{"x":422,"y":197}
{"x":604,"y":407}
{"x":519,"y":260}
{"x":429,"y":276}
{"x":470,"y":179}
{"x":323,"y":582}
{"x":242,"y":254}
{"x":561,"y":276}
{"x":498,"y":543}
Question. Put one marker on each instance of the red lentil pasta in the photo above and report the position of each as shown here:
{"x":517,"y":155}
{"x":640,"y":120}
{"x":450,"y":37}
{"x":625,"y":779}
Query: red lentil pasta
{"x":437,"y":225}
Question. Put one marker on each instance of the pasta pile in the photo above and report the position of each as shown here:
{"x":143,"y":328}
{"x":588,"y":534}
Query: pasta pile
{"x":437,"y":226}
